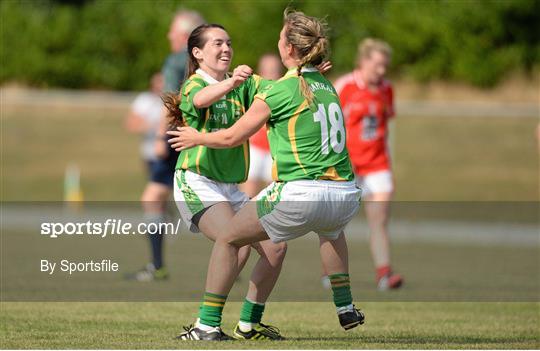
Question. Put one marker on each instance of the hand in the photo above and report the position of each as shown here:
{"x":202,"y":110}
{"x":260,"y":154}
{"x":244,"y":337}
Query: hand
{"x":324,"y":67}
{"x":160,"y":148}
{"x":184,"y":138}
{"x":241,"y":74}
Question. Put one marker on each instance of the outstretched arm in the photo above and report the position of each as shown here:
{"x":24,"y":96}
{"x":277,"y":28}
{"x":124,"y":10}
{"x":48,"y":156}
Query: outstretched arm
{"x":238,"y":133}
{"x":212,"y":93}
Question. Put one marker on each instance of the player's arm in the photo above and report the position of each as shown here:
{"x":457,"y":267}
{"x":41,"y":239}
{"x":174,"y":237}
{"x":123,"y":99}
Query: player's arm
{"x":212,"y":93}
{"x":238,"y":133}
{"x":135,"y":123}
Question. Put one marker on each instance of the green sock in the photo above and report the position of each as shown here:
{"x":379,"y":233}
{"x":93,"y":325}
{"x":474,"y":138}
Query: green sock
{"x":341,"y":287}
{"x":251,"y":312}
{"x":211,"y":309}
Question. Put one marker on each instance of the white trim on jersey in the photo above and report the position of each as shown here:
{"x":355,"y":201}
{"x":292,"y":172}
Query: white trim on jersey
{"x":209,"y":79}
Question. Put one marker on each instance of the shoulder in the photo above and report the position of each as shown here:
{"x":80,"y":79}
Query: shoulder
{"x":253,"y":81}
{"x":344,"y":81}
{"x":193,"y":82}
{"x":176,"y":59}
{"x":277,"y":88}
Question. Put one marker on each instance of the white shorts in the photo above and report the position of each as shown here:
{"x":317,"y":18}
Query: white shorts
{"x":194,"y":192}
{"x":376,"y":182}
{"x":288,"y":210}
{"x":260,"y":164}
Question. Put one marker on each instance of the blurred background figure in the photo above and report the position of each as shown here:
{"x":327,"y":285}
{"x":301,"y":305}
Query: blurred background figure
{"x":144,"y":119}
{"x":368,"y":105}
{"x":159,"y":188}
{"x":260,"y":166}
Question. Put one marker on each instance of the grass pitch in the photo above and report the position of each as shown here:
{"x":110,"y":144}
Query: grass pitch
{"x":448,"y":159}
{"x":435,"y":159}
{"x":418,"y":325}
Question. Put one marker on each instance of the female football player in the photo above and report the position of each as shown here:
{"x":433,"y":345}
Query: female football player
{"x":367,"y":101}
{"x":206,"y":190}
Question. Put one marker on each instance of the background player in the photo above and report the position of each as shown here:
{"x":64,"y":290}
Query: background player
{"x":158,"y":190}
{"x":144,"y":118}
{"x":260,"y":166}
{"x":368,"y":104}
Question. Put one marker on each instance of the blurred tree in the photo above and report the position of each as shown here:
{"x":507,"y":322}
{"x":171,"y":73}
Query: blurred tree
{"x":114,"y":44}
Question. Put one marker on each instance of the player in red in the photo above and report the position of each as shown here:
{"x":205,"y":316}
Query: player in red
{"x":260,"y":166}
{"x":368,"y":105}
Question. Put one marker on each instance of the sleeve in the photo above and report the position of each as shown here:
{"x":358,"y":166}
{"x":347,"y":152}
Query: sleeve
{"x":190,"y":88}
{"x":254,"y":85}
{"x":273,"y":95}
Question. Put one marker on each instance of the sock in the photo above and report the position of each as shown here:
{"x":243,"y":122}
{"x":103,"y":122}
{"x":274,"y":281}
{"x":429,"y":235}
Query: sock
{"x":156,"y":240}
{"x":211,"y":309}
{"x":382,"y":271}
{"x":341,"y":288}
{"x":203,"y":327}
{"x":251,"y":314}
{"x":345,"y":308}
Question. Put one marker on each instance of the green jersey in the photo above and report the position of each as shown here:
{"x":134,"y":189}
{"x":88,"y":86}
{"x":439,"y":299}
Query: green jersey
{"x":306,"y":142}
{"x":223,"y":165}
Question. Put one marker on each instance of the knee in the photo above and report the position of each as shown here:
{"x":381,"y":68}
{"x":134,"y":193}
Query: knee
{"x":230,"y":240}
{"x":146,"y":197}
{"x":150,"y":196}
{"x":277,"y":253}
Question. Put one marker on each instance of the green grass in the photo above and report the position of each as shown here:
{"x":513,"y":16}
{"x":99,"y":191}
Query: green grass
{"x":446,"y":159}
{"x":306,"y":325}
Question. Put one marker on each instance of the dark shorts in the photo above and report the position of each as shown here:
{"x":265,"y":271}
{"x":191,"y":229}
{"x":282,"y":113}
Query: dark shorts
{"x":162,"y":170}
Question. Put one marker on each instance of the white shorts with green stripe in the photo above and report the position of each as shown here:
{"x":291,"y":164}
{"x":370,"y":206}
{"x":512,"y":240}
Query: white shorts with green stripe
{"x":194,"y":192}
{"x":288,"y":210}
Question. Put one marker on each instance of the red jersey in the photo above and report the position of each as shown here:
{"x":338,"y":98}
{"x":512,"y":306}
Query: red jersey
{"x":260,"y":140}
{"x":366,"y":115}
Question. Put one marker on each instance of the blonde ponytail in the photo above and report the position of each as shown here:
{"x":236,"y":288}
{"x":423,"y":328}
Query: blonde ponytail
{"x":308,"y":36}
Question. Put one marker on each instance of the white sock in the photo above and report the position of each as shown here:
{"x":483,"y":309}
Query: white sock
{"x":342,"y":309}
{"x":245,"y":326}
{"x":203,"y":327}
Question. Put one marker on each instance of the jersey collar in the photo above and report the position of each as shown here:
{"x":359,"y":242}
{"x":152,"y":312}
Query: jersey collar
{"x":208,"y":78}
{"x":307,"y":69}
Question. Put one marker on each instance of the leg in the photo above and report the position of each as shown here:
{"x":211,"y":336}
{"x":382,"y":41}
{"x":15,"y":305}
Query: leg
{"x":378,"y":213}
{"x":212,"y":222}
{"x":243,"y":229}
{"x":224,"y":263}
{"x":263,"y":279}
{"x":252,"y":187}
{"x":267,"y":269}
{"x":154,"y":200}
{"x":335,"y":260}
